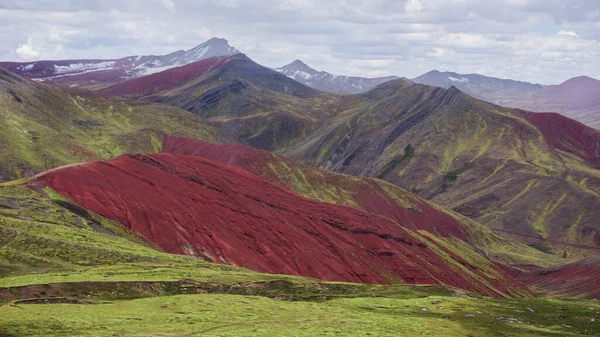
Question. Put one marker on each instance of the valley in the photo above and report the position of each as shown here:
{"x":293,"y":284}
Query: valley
{"x":200,"y":193}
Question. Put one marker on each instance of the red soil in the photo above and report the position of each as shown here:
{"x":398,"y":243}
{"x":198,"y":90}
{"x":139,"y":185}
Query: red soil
{"x":569,"y":135}
{"x":190,"y":205}
{"x":164,"y":80}
{"x":579,"y":279}
{"x":367,"y":193}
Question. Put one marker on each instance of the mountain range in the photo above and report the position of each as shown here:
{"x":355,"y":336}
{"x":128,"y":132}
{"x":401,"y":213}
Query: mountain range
{"x":202,"y":179}
{"x":577,"y":98}
{"x":324,"y":81}
{"x":94,"y":74}
{"x":394,"y":132}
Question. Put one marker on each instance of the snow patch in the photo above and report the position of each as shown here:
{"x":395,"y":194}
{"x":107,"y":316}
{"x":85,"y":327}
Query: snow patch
{"x":83,"y":67}
{"x":461,"y":80}
{"x":26,"y":67}
{"x":153,"y":70}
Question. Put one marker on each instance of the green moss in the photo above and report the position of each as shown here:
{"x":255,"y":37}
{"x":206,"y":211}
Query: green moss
{"x":409,"y":152}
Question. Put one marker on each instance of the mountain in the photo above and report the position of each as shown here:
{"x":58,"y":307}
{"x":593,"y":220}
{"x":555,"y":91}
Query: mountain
{"x":494,"y":90}
{"x":530,"y":174}
{"x":576,"y":98}
{"x":259,"y":106}
{"x":441,"y":144}
{"x":371,"y":195}
{"x":43,"y":127}
{"x":327,"y":82}
{"x":83,"y":240}
{"x":95,"y":74}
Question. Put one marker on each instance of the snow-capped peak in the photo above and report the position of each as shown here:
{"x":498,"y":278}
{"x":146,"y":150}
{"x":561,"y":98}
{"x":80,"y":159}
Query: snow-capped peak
{"x":129,"y":67}
{"x":211,"y":48}
{"x":322,"y":80}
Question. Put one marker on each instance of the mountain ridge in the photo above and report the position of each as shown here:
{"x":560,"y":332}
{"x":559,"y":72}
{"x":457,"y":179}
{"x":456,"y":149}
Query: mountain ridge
{"x":98,"y":73}
{"x":577,"y":98}
{"x":324,"y":81}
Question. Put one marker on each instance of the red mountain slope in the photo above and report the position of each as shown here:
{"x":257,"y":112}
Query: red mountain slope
{"x":189,"y":205}
{"x":577,"y":279}
{"x":364,"y":193}
{"x":569,"y":135}
{"x":165,"y":80}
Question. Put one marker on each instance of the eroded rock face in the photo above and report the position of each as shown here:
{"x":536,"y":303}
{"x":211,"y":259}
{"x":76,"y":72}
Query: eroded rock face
{"x":190,"y":205}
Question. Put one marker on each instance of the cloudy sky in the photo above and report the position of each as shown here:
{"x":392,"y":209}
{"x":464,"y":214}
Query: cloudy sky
{"x":543,"y":41}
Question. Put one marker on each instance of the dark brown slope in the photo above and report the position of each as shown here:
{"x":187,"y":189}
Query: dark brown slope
{"x":258,"y":105}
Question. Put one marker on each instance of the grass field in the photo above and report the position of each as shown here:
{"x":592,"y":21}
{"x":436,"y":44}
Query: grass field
{"x":238,"y":315}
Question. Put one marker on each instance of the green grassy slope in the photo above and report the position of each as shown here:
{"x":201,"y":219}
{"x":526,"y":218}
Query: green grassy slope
{"x":42,"y":127}
{"x":235,"y":315}
{"x":483,"y":161}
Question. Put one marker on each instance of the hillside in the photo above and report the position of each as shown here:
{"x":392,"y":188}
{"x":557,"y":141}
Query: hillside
{"x":268,"y":228}
{"x":573,"y":280}
{"x":255,"y":104}
{"x":503,"y":167}
{"x":42,"y":127}
{"x":575,"y":98}
{"x":500,"y":166}
{"x":324,"y":81}
{"x":67,"y":271}
{"x":371,"y":195}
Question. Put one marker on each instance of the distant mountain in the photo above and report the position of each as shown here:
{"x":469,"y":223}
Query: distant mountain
{"x":577,"y":98}
{"x":100,"y":73}
{"x":487,"y":88}
{"x":258,"y":105}
{"x":324,"y":81}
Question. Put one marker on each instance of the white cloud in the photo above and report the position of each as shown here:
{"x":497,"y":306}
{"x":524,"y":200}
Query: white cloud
{"x":168,"y":4}
{"x":568,"y":33}
{"x":26,"y":52}
{"x":437,"y":52}
{"x":413,"y":6}
{"x":503,"y":38}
